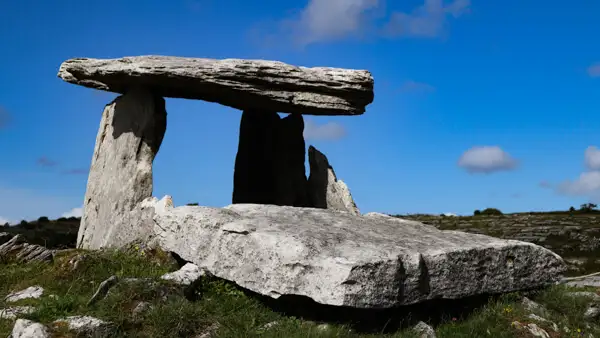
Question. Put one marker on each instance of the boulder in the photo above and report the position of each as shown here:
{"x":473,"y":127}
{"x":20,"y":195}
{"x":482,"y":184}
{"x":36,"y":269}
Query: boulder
{"x":241,"y":84}
{"x":131,"y":132}
{"x":25,"y":328}
{"x":324,"y":189}
{"x":337,"y":258}
{"x":34,"y":292}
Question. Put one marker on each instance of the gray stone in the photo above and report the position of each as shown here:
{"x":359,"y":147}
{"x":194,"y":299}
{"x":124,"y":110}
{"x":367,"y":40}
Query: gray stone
{"x":534,"y":307}
{"x":24,"y":328}
{"x":242,"y":84}
{"x":583,"y":281}
{"x":188,"y":274}
{"x":15,"y":311}
{"x":130,"y":134}
{"x":16,"y":248}
{"x":324,"y":189}
{"x":592,"y":311}
{"x":30,"y":292}
{"x":103,"y":289}
{"x":87,"y":326}
{"x":341,"y":259}
{"x":424,"y":330}
{"x":543,"y":320}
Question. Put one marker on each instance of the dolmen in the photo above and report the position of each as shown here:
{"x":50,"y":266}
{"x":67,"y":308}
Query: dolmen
{"x":284,"y":233}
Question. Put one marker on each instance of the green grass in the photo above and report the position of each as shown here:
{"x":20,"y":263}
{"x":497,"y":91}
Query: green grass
{"x":228,"y":311}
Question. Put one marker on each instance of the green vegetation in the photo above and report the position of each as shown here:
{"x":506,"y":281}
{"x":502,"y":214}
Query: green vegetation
{"x":228,"y":311}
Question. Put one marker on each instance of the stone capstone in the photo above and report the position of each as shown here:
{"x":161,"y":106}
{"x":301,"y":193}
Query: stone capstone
{"x":337,"y":258}
{"x":269,"y":165}
{"x":324,"y":189}
{"x":241,"y":84}
{"x":131,"y":132}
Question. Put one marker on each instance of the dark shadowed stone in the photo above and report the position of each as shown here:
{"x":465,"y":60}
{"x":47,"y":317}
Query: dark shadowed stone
{"x":324,"y":189}
{"x":290,"y":174}
{"x":254,"y":170}
{"x":131,"y":132}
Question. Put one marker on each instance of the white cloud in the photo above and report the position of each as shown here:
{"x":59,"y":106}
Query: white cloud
{"x":426,"y":21}
{"x":449,"y":214}
{"x":327,"y":20}
{"x":4,"y":221}
{"x":75,"y":212}
{"x":486,"y":159}
{"x":588,"y":183}
{"x":592,"y":158}
{"x":329,"y":131}
{"x":594,"y":70}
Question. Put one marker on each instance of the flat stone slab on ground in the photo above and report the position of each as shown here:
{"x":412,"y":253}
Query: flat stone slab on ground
{"x":242,"y":84}
{"x":336,"y":258}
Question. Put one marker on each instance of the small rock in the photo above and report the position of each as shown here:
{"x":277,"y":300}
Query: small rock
{"x":77,"y":260}
{"x":15,"y":311}
{"x":591,"y":312}
{"x":323,"y":327}
{"x":268,"y":325}
{"x":140,"y":308}
{"x":544,"y":320}
{"x":537,"y":331}
{"x":30,"y":292}
{"x":424,"y":330}
{"x":533,"y":306}
{"x":187,"y":275}
{"x":209,"y":331}
{"x":103,"y":289}
{"x":29,"y":329}
{"x":585,"y":294}
{"x":86,"y":325}
{"x":593,"y":281}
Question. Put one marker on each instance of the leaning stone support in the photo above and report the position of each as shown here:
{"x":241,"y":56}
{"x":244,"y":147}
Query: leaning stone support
{"x":131,"y":132}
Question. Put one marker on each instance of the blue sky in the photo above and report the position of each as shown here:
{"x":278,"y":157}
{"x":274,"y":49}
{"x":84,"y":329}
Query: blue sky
{"x":477,"y":103}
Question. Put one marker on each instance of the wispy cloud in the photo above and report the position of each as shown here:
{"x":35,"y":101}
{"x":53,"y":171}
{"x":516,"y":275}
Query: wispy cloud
{"x":545,"y":185}
{"x":411,"y":86}
{"x":4,"y":221}
{"x":328,"y":20}
{"x":45,"y":162}
{"x":594,"y":70}
{"x":426,"y":21}
{"x":329,"y":131}
{"x":486,"y":159}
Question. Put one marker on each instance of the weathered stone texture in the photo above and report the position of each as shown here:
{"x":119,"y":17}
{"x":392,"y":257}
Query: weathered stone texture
{"x":324,"y":189}
{"x":242,"y":84}
{"x":337,"y":258}
{"x":290,"y":155}
{"x":131,"y":132}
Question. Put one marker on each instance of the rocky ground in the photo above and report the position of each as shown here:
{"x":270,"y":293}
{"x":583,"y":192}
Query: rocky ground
{"x":574,"y":236}
{"x":144,"y":293}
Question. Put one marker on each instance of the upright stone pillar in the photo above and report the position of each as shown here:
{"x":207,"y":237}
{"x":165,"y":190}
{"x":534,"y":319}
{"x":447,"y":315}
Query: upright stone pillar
{"x":324,"y":189}
{"x":131,"y":132}
{"x":253,"y":174}
{"x":290,"y":155}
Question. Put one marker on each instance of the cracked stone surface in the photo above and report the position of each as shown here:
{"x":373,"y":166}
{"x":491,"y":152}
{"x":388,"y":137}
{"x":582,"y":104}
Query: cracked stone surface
{"x":337,"y":258}
{"x":241,"y":84}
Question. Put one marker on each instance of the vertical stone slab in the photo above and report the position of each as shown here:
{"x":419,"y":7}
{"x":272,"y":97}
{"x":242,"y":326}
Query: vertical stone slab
{"x":290,"y":155}
{"x":131,"y":132}
{"x":324,"y":189}
{"x":254,"y":170}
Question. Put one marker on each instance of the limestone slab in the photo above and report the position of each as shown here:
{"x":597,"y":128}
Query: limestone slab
{"x":342,"y":259}
{"x":242,"y":84}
